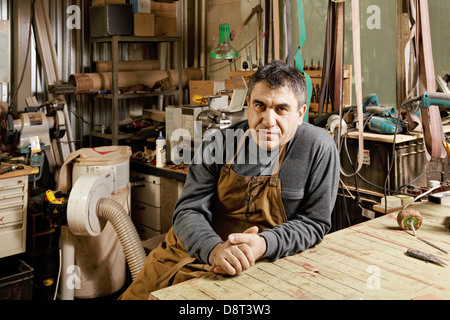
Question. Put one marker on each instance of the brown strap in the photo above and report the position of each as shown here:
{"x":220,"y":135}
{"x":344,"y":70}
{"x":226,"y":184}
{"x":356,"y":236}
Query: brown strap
{"x":276,"y":167}
{"x":165,"y":278}
{"x":239,"y":146}
{"x":338,"y":69}
{"x":424,"y":67}
{"x":356,"y":27}
{"x":325,"y":86}
{"x":431,"y":118}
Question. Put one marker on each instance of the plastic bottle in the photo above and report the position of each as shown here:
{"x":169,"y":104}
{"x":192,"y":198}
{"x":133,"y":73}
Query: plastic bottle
{"x":160,"y":151}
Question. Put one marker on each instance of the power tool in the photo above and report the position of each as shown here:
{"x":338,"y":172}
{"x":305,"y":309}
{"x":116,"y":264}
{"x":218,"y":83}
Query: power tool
{"x":385,"y":125}
{"x":426,"y":100}
{"x":379,"y":118}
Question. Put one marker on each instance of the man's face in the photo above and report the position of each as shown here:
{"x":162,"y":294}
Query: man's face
{"x":274,"y":115}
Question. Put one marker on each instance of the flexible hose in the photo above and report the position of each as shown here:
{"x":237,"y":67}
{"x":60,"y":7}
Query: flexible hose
{"x":134,"y":252}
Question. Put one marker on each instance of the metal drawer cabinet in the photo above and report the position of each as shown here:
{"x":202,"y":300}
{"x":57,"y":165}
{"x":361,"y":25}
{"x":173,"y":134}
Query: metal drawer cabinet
{"x":13,"y":215}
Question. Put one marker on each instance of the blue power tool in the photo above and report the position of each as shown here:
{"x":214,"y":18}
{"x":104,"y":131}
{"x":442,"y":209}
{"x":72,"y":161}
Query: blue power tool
{"x":380,"y":118}
{"x":384,"y":125}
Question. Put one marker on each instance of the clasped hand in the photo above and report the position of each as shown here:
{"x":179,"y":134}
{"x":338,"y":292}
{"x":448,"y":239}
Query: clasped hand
{"x":238,"y":253}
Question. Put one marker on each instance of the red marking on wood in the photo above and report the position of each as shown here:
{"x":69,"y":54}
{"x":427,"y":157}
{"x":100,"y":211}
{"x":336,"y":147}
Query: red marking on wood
{"x":408,"y":276}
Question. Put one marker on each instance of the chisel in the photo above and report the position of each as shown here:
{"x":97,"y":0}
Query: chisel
{"x":424,"y":256}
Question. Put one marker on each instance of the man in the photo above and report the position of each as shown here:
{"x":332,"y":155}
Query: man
{"x":271,"y":196}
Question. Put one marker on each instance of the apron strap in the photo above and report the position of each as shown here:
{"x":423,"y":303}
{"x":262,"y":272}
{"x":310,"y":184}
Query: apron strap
{"x":227,"y":166}
{"x":239,"y":146}
{"x":165,"y":278}
{"x":277,"y":167}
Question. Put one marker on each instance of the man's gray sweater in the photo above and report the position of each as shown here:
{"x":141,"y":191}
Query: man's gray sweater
{"x":309,"y":180}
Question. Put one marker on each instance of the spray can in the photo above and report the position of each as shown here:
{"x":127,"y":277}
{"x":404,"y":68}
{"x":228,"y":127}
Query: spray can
{"x":160,"y":151}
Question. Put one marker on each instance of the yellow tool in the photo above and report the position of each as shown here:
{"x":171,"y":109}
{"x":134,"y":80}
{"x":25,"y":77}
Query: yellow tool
{"x":52,"y":199}
{"x":200,"y":99}
{"x":446,"y":144}
{"x":411,"y":219}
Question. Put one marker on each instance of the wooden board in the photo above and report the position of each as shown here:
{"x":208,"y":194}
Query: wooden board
{"x":389,"y":138}
{"x":366,"y":261}
{"x":19,"y":173}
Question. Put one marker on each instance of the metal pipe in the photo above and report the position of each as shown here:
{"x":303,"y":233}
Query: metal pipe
{"x":203,"y":59}
{"x":196,"y":42}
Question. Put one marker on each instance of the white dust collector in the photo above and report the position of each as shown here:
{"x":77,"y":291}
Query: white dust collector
{"x":100,"y":238}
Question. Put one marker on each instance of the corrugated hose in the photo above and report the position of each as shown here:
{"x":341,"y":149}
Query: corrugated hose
{"x":113,"y":212}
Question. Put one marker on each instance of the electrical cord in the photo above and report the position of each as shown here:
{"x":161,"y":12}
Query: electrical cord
{"x":385,"y":187}
{"x":417,"y":178}
{"x":392,"y":161}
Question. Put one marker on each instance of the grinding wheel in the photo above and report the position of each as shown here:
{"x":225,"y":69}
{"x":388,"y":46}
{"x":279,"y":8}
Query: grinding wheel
{"x":407,"y":216}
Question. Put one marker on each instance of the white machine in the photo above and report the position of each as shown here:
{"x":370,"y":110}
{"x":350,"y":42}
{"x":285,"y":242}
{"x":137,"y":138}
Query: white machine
{"x":89,"y":207}
{"x":33,"y":128}
{"x":34,"y":122}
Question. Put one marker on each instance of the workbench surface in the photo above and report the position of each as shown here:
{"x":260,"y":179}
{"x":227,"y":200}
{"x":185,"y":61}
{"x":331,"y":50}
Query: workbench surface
{"x":365,"y":261}
{"x":19,"y":173}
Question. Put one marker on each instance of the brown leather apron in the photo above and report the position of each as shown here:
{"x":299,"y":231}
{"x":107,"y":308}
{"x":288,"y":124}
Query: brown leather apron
{"x":241,"y":202}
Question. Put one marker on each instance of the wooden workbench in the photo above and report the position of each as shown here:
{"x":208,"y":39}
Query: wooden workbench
{"x":366,"y":261}
{"x":19,"y":173}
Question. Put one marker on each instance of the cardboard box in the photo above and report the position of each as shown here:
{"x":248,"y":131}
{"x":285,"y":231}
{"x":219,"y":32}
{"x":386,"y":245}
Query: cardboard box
{"x":96,"y":3}
{"x":206,"y":88}
{"x":165,"y":26}
{"x":144,"y":24}
{"x":104,"y":20}
{"x":165,"y":18}
{"x":164,"y":9}
{"x":141,"y":6}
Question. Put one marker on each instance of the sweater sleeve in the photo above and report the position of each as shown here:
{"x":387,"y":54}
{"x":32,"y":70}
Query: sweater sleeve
{"x":194,"y":211}
{"x":311,"y":218}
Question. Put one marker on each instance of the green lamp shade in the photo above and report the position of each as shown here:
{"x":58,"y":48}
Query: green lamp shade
{"x":224,"y":50}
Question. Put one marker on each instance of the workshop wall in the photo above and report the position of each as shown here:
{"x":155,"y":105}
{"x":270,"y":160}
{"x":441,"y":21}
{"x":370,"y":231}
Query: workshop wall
{"x":233,"y":12}
{"x":378,"y":43}
{"x":378,"y":39}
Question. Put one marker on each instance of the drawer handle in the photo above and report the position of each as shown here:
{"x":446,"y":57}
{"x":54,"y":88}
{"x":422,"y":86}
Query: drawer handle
{"x":139,"y":208}
{"x":137,"y":185}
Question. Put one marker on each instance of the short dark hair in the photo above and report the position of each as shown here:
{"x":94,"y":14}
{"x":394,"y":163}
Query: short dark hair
{"x":279,"y":74}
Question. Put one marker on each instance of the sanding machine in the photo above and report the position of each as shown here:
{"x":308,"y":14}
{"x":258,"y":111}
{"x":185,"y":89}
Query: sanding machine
{"x":32,"y":132}
{"x":33,"y":122}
